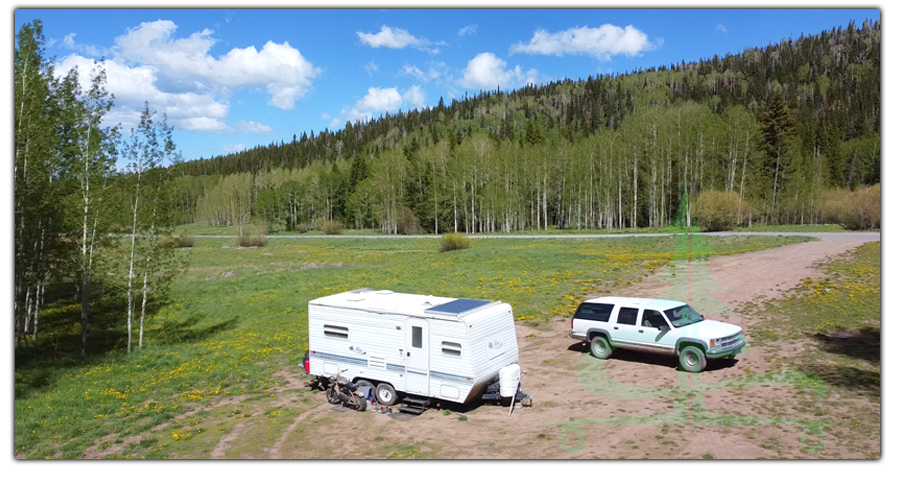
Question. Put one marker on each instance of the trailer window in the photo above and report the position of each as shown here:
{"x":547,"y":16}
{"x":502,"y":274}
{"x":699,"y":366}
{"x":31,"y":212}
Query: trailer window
{"x":417,"y":337}
{"x":451,"y":349}
{"x":337,"y":332}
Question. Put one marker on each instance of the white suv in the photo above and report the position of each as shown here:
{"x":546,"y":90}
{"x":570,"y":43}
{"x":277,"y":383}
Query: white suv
{"x":660,"y":326}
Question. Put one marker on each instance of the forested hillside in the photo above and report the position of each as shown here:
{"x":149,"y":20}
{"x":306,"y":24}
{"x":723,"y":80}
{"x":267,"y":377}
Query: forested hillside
{"x":775,"y":125}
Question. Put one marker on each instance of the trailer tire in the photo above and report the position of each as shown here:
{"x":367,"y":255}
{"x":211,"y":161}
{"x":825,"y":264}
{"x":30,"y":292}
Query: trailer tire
{"x":386,"y":394}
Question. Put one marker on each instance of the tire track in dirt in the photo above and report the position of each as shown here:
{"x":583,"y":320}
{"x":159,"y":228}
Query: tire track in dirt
{"x":219,"y":451}
{"x":275,"y":452}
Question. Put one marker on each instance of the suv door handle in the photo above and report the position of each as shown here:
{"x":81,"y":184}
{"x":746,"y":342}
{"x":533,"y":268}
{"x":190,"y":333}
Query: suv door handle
{"x":616,"y":328}
{"x":640,"y":330}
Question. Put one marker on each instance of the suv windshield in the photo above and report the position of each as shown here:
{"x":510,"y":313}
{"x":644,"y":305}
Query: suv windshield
{"x":682,"y":316}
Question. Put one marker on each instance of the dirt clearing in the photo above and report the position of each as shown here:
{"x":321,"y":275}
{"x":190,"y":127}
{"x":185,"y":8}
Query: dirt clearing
{"x":629,"y":406}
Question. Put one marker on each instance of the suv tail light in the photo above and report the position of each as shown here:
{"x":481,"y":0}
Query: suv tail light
{"x":572,"y":324}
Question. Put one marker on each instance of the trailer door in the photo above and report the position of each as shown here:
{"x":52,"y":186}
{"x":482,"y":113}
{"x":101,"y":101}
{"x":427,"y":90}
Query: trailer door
{"x":417,"y":356}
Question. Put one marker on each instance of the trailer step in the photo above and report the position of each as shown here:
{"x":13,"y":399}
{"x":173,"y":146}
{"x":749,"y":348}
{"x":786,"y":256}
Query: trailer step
{"x":417,"y":402}
{"x":414,"y":406}
{"x":411,"y":410}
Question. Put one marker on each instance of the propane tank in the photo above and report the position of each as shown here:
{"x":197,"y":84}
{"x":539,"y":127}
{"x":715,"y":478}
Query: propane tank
{"x":509,"y":380}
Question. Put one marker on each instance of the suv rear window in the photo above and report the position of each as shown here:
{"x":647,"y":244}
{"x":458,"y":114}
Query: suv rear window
{"x":594,"y":312}
{"x":627,"y":315}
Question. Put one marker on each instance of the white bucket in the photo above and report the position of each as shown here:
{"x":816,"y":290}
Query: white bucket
{"x":509,"y":380}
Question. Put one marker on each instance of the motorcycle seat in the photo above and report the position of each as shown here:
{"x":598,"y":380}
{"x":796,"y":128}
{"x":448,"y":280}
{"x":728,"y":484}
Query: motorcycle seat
{"x":352,"y":386}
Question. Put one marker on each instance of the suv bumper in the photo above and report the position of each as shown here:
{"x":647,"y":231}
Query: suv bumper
{"x":575,"y":335}
{"x":721,"y":353}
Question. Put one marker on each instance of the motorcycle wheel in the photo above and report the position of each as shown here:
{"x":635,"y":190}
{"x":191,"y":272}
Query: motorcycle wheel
{"x":331,"y":396}
{"x":358,"y":403}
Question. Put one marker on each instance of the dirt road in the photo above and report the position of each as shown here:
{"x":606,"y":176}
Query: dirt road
{"x":632,"y":405}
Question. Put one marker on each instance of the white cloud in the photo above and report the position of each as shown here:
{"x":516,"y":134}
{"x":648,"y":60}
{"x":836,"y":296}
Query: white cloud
{"x":279,"y":68}
{"x":414,"y":96}
{"x":396,"y":38}
{"x":435,"y":70}
{"x":326,"y":116}
{"x":68,"y":42}
{"x":134,"y":85}
{"x":467,"y":30}
{"x":254,"y":127}
{"x":381,"y":100}
{"x":234,"y":148}
{"x":201,"y":124}
{"x":371,"y":67}
{"x":602,"y":42}
{"x":721,"y":28}
{"x":179,"y":77}
{"x":487,"y":71}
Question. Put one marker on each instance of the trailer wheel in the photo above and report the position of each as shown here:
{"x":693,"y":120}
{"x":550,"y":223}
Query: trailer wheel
{"x":386,"y":394}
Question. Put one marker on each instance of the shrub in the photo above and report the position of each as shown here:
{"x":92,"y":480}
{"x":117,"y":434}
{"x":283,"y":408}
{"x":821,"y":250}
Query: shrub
{"x":332,"y":227}
{"x":408,"y":223}
{"x":717,"y":210}
{"x":455,"y":241}
{"x":251,"y":240}
{"x":185,"y":241}
{"x":855,"y":210}
{"x":302,"y":228}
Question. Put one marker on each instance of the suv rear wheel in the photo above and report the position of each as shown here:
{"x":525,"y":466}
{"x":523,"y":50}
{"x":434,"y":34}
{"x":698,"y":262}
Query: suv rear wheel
{"x":691,"y":358}
{"x":600,"y":347}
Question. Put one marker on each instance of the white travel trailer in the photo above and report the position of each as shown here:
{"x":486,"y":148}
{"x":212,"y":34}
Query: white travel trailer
{"x":419,"y":345}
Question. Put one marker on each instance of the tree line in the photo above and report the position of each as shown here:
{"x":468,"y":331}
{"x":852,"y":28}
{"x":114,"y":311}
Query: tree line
{"x":777,"y":125}
{"x":70,"y":197}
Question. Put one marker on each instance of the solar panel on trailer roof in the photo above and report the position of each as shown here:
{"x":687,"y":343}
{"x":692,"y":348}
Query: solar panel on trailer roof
{"x":458,"y":306}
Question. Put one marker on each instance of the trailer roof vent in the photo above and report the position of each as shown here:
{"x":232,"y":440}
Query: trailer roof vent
{"x":457,"y":307}
{"x":361,"y":291}
{"x":384,"y":292}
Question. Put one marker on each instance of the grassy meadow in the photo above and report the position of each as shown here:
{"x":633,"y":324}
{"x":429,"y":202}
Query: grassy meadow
{"x":219,"y":336}
{"x":835,"y":333}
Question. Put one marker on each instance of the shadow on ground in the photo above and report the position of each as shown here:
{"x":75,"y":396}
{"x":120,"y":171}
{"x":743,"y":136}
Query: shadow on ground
{"x":863,"y":343}
{"x":58,"y":349}
{"x":653,"y":359}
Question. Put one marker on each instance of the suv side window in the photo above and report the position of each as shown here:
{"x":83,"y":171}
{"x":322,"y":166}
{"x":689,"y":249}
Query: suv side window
{"x":653,"y":318}
{"x":627,"y":315}
{"x":594,"y":312}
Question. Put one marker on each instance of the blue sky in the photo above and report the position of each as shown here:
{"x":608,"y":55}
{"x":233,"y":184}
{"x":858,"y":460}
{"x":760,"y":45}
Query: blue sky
{"x":232,"y":78}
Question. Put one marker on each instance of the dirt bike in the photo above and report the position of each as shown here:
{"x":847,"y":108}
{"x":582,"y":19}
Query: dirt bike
{"x":341,"y":391}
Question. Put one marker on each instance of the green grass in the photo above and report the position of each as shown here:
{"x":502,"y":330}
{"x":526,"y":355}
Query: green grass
{"x":218,"y":336}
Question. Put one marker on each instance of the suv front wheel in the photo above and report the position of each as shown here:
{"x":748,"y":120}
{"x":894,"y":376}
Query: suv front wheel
{"x":692,"y":358}
{"x":600,"y":347}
